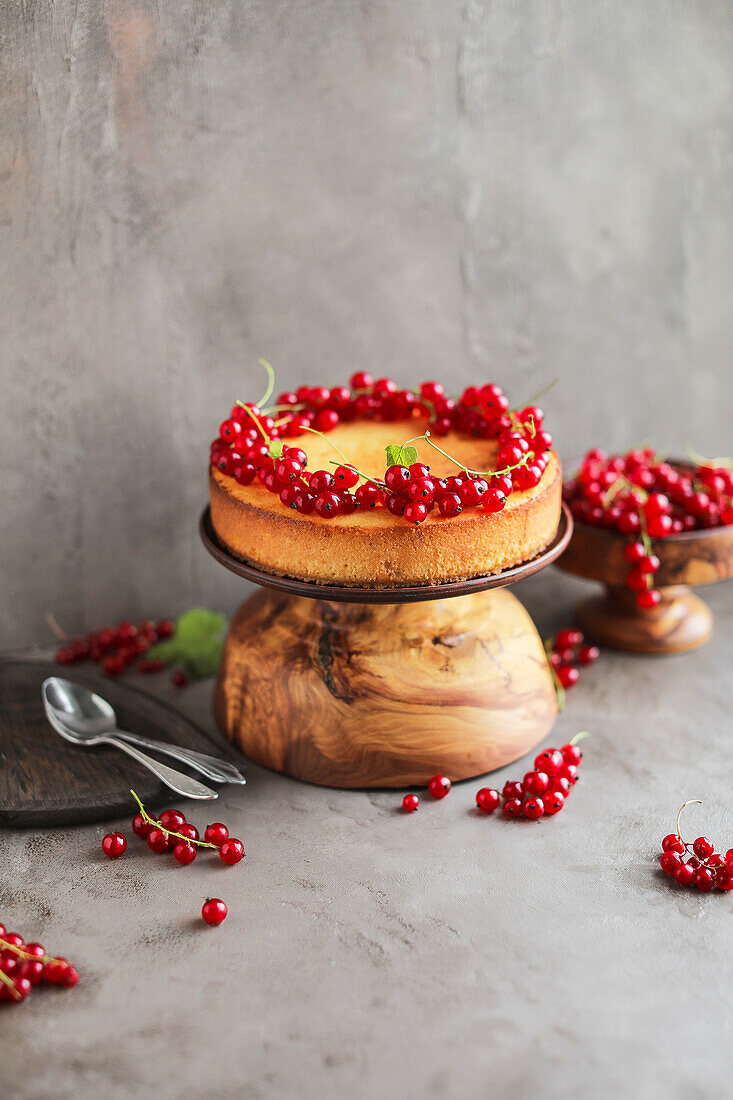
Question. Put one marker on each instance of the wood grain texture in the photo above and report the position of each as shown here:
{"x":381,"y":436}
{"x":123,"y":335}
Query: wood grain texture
{"x":47,"y":781}
{"x":351,"y":695}
{"x":681,"y":621}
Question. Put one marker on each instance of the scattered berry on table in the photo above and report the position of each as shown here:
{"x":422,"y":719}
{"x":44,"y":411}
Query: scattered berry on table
{"x":213,"y":911}
{"x":114,"y":845}
{"x":439,"y":786}
{"x":410,"y":803}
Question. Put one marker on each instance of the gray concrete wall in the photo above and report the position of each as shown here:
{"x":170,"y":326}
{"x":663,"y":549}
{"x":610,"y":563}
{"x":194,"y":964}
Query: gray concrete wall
{"x":513,"y":191}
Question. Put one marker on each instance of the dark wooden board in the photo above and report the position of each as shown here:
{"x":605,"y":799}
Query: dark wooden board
{"x":46,"y":781}
{"x":396,"y":594}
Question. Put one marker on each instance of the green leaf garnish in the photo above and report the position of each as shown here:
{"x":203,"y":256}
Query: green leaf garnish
{"x":400,"y":454}
{"x":196,"y":645}
{"x":276,"y":448}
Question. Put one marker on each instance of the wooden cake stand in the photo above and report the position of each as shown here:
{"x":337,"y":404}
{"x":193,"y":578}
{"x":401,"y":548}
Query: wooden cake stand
{"x":370,"y":687}
{"x":681,"y":620}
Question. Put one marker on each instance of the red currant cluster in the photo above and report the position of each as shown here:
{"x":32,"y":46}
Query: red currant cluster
{"x":647,"y":499}
{"x":25,"y":965}
{"x":705,"y":868}
{"x":565,"y":652}
{"x":249,"y":447}
{"x":116,"y":648}
{"x":543,"y":791}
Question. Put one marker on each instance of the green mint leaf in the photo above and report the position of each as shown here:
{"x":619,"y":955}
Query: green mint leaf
{"x":196,"y":645}
{"x":400,"y":454}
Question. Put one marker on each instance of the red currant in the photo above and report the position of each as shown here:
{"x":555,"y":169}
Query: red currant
{"x":140,"y":826}
{"x":567,"y":675}
{"x":672,"y":843}
{"x":512,"y":807}
{"x":114,"y":845}
{"x":553,"y":801}
{"x":158,"y":841}
{"x":216,"y":834}
{"x":410,"y":803}
{"x":550,"y":761}
{"x":231,"y":851}
{"x":487,"y":799}
{"x":172,"y":820}
{"x":214,"y":911}
{"x":512,"y":789}
{"x":439,"y":786}
{"x":536,"y":783}
{"x":702,"y":847}
{"x":184,"y":853}
{"x":533,"y":808}
{"x":670,"y":862}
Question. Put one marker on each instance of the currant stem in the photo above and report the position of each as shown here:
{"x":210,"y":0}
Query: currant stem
{"x":535,"y":397}
{"x":249,"y":412}
{"x":478,"y":473}
{"x":168,"y":832}
{"x":690,"y":802}
{"x":579,"y":737}
{"x":24,"y":954}
{"x":11,"y":986}
{"x":715,"y":463}
{"x":270,"y":383}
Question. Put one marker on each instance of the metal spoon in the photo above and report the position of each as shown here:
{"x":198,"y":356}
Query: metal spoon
{"x":93,"y":715}
{"x":66,"y":713}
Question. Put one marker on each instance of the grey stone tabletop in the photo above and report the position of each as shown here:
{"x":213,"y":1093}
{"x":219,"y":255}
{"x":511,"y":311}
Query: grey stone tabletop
{"x":370,"y":953}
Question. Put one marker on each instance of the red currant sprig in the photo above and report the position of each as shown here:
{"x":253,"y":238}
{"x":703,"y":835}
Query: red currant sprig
{"x":705,"y":868}
{"x":25,"y":965}
{"x":172,"y":831}
{"x":565,"y":652}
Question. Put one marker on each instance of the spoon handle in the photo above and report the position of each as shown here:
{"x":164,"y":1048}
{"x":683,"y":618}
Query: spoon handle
{"x":177,"y":781}
{"x":220,"y":771}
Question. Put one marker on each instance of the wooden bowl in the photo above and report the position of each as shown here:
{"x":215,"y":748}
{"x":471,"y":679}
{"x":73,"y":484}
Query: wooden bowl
{"x":681,"y":621}
{"x":384,"y":687}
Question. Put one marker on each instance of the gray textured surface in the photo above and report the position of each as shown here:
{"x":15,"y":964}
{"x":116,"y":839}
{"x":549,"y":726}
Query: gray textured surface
{"x":368,"y":953}
{"x":509,"y":191}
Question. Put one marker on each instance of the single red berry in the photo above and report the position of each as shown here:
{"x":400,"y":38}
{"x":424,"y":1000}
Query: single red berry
{"x":410,"y":803}
{"x":672,"y":843}
{"x":535,"y":782}
{"x":213,"y":911}
{"x":487,"y":799}
{"x":553,"y":801}
{"x":35,"y":949}
{"x":728,"y":860}
{"x":14,"y":938}
{"x":533,"y":808}
{"x":685,"y":874}
{"x":512,"y":789}
{"x":649,"y":599}
{"x":512,"y":807}
{"x":568,"y":638}
{"x":670,"y":862}
{"x":346,"y":477}
{"x":549,"y":761}
{"x":397,"y":478}
{"x":327,"y":504}
{"x":450,"y":505}
{"x":158,"y":841}
{"x":184,"y":853}
{"x":493,"y":500}
{"x":69,"y":977}
{"x":704,"y":880}
{"x":560,"y":784}
{"x":114,"y":845}
{"x":649,"y":563}
{"x":172,"y":819}
{"x":569,"y":772}
{"x":55,"y":971}
{"x":140,"y":826}
{"x":216,"y":833}
{"x":188,"y":830}
{"x":702,"y":847}
{"x":567,"y":675}
{"x":587,"y":654}
{"x":32,"y":970}
{"x":179,"y":678}
{"x":231,"y":851}
{"x":634,"y":552}
{"x":22,"y":988}
{"x":439,"y":786}
{"x":415,"y":512}
{"x":571,"y":754}
{"x":724,"y":878}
